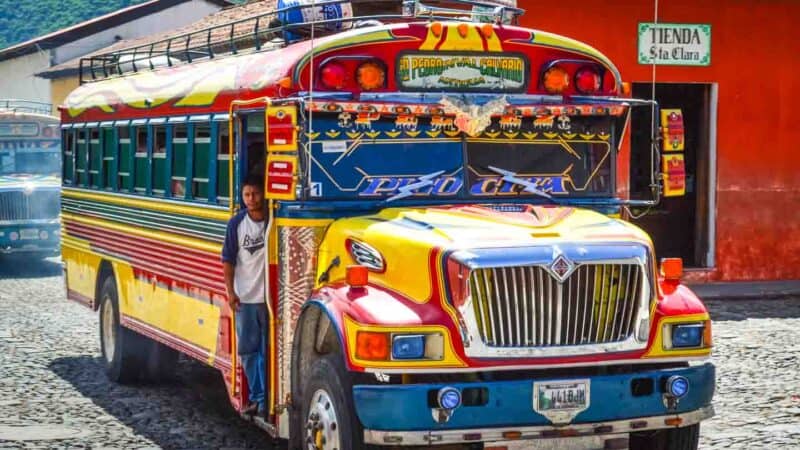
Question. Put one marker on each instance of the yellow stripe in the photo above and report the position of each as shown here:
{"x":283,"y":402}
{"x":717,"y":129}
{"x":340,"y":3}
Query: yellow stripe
{"x":149,"y":204}
{"x":169,"y":238}
{"x":286,"y":222}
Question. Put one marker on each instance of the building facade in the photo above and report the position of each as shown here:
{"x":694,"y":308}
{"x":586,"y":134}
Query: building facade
{"x":20,"y":63}
{"x":740,"y":217}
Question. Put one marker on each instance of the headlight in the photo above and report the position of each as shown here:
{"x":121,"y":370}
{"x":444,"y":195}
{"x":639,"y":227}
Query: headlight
{"x":408,"y":347}
{"x":684,"y":335}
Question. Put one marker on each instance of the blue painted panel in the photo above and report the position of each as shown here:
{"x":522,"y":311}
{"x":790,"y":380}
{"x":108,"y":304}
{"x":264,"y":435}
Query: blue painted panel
{"x":405,"y":407}
{"x":361,"y":168}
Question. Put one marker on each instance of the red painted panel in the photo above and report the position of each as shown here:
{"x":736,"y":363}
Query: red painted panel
{"x":754,"y":60}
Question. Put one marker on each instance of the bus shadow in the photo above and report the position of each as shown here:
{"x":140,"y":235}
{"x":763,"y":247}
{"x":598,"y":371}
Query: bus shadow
{"x":737,"y":310}
{"x":29,"y":266}
{"x":190,"y":412}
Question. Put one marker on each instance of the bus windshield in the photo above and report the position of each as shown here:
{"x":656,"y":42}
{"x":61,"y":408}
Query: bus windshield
{"x":30,"y":159}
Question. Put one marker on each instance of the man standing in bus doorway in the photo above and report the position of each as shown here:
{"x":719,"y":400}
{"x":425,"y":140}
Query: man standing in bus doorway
{"x":243,"y":260}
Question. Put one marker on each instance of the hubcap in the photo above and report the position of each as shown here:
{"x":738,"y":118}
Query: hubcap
{"x":322,"y":425}
{"x":108,"y":329}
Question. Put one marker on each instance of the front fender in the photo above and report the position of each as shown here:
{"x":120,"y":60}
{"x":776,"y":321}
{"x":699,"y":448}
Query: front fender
{"x":378,"y":309}
{"x":676,"y":304}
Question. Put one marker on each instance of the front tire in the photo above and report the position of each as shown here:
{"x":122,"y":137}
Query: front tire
{"x":686,"y":438}
{"x":328,"y":414}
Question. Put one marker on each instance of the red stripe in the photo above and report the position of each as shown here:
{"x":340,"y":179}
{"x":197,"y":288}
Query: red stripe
{"x":196,"y":268}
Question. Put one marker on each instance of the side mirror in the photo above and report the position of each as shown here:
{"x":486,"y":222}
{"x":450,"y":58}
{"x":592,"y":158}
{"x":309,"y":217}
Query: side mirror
{"x":673,"y":166}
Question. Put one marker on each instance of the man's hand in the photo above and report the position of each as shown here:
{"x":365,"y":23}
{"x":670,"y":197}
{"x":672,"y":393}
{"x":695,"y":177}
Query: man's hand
{"x":233,"y":302}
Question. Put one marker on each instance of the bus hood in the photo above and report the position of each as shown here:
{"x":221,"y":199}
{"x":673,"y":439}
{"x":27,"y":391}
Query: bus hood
{"x":401,"y":243}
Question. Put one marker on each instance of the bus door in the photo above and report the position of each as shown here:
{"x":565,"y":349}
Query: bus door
{"x":250,"y":152}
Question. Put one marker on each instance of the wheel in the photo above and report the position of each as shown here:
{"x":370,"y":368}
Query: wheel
{"x":120,"y":347}
{"x":160,"y":361}
{"x":328,"y":413}
{"x":686,"y":438}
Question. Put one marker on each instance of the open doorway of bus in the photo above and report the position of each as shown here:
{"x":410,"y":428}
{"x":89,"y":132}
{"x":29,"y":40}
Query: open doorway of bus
{"x":680,"y":226}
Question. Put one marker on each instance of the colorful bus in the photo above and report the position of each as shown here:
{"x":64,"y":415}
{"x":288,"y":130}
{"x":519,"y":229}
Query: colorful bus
{"x":447,"y":261}
{"x":30,"y":165}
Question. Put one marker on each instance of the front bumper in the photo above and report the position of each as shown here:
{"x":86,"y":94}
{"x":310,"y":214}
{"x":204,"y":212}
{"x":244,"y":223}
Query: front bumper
{"x":30,"y":238}
{"x":401,"y":415}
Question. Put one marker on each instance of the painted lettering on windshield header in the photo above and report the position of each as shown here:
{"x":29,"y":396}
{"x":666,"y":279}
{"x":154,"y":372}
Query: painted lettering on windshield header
{"x":447,"y":185}
{"x":463,"y":72}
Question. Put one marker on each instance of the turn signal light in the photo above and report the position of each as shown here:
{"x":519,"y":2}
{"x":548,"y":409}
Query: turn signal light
{"x":372,"y":346}
{"x":371,"y":75}
{"x":555,"y":80}
{"x":357,"y":276}
{"x":672,"y":268}
{"x":587,"y":81}
{"x":333,"y":76}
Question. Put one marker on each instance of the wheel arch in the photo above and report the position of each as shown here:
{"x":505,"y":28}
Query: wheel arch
{"x":317,"y":334}
{"x":104,"y":270}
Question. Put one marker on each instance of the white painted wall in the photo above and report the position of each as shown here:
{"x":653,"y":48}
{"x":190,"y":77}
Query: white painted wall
{"x":17,"y":79}
{"x":168,"y":19}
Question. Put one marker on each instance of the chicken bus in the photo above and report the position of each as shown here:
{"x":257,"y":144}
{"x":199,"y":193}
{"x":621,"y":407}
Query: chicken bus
{"x":449,"y":263}
{"x":30,"y":166}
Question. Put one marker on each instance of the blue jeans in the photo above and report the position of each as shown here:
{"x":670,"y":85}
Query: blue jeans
{"x":251,"y":333}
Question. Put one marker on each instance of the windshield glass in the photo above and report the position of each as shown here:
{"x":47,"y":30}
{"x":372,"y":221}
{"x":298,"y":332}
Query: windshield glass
{"x":559,"y":168}
{"x":37,"y":161}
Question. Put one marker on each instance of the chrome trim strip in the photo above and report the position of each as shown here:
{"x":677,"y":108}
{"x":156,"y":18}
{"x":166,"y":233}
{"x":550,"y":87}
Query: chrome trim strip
{"x":407,"y":438}
{"x":678,"y":359}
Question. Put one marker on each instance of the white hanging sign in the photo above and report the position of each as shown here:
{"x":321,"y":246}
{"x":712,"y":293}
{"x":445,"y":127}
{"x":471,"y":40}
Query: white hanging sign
{"x":677,"y":44}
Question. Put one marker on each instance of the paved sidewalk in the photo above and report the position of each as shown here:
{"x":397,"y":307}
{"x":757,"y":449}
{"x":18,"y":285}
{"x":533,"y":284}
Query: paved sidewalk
{"x":747,"y":290}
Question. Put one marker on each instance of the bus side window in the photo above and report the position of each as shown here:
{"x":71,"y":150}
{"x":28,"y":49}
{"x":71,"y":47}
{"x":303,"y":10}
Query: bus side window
{"x":124,"y":167}
{"x":223,"y":162}
{"x":108,"y":168}
{"x":140,"y":160}
{"x":202,"y":149}
{"x":68,"y":145}
{"x":180,"y":148}
{"x":159,"y":175}
{"x":95,"y":158}
{"x":81,"y":158}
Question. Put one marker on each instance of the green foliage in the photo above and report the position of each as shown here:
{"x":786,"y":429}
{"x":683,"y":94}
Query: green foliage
{"x":21,"y":20}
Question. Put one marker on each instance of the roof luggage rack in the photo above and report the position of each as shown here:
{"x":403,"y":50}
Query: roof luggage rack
{"x":26,"y":106}
{"x":265,"y":32}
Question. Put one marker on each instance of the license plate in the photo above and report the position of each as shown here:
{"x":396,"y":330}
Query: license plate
{"x":29,"y":233}
{"x":561,"y":401}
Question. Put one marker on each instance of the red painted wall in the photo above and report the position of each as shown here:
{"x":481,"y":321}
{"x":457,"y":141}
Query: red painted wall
{"x":755,"y":59}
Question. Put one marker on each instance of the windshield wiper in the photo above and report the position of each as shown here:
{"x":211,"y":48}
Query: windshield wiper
{"x":408,"y":190}
{"x":511,"y":177}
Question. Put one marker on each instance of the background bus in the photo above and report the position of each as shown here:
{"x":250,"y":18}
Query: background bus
{"x":30,"y":164}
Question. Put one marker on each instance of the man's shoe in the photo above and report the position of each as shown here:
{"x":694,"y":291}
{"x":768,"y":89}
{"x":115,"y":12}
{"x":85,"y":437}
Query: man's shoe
{"x":251,"y":409}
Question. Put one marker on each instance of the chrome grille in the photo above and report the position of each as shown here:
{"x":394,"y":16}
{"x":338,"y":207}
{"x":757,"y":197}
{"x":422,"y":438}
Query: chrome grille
{"x":17,"y":205}
{"x":527,"y":307}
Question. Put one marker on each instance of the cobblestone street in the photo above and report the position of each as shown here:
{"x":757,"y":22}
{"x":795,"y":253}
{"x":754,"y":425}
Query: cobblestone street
{"x":53,"y":393}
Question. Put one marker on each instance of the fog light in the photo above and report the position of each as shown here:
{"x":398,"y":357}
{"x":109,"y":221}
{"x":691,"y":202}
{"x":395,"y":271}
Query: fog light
{"x":43,"y":235}
{"x":687,"y":335}
{"x":449,"y":398}
{"x":13,"y":235}
{"x":677,"y":386}
{"x":408,"y":347}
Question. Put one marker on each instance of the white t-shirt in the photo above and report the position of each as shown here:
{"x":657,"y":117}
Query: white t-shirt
{"x":245,"y":248}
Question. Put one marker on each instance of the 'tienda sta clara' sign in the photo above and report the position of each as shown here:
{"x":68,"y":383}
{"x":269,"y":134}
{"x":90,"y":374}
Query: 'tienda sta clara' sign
{"x":677,"y":44}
